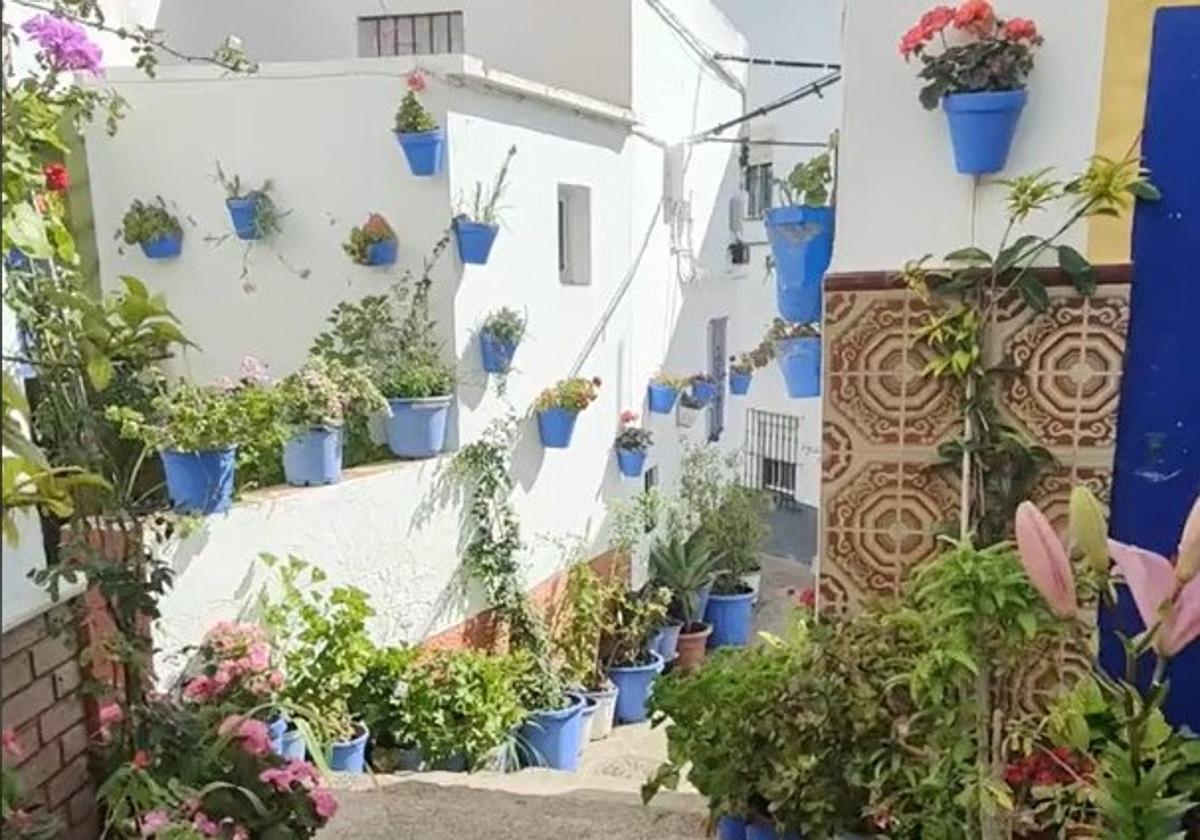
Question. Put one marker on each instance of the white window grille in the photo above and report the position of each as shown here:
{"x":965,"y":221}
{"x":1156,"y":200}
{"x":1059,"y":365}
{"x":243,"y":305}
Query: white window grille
{"x":424,"y":34}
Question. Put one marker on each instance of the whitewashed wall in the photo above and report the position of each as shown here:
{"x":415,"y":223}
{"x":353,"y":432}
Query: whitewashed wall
{"x":580,"y":45}
{"x":321,"y":130}
{"x":899,"y":195}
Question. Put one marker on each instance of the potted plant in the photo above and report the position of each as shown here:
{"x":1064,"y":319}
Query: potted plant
{"x":632,"y":444}
{"x":372,"y":244}
{"x":741,"y":374}
{"x":418,"y":389}
{"x":253,"y":212}
{"x":800,"y":231}
{"x":662,"y":392}
{"x":476,"y":227}
{"x":623,"y":649}
{"x":590,"y":605}
{"x":498,"y":339}
{"x":978,"y":77}
{"x":704,"y":388}
{"x":736,"y":531}
{"x":552,"y":734}
{"x":420,"y":137}
{"x":325,"y":650}
{"x":688,"y":411}
{"x":154,"y":228}
{"x":196,"y":431}
{"x":313,"y":404}
{"x":686,"y":568}
{"x":558,"y":408}
{"x":797,"y":350}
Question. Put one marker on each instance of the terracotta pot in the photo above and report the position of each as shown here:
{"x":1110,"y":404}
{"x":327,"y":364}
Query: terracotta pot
{"x":692,"y":646}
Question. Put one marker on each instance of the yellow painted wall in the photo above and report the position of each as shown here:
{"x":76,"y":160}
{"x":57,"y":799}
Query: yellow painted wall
{"x":1122,"y":108}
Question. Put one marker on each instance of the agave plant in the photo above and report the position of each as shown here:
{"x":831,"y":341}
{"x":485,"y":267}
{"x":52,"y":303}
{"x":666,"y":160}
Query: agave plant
{"x":685,"y":567}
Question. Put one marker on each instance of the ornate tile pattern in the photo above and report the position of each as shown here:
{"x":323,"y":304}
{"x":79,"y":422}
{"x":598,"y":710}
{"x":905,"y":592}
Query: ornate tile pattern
{"x":882,"y":503}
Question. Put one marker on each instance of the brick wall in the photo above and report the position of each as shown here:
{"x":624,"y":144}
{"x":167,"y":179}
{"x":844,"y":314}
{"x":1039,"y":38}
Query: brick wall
{"x":44,"y":706}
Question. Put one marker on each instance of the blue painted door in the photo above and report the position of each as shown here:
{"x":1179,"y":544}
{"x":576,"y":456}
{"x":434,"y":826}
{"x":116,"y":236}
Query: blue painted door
{"x":1157,"y":469}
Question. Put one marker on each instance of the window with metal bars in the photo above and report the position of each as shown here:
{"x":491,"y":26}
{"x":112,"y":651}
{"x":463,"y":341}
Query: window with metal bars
{"x":772,"y":453}
{"x":760,"y":187}
{"x":425,"y":34}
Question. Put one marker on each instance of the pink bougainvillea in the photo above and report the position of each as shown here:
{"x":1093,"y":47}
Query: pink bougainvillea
{"x":64,"y":44}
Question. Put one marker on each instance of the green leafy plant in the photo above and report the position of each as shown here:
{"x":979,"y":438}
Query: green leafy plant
{"x":375,"y":229}
{"x":573,"y":394}
{"x":268,"y":218}
{"x":186,"y":418}
{"x":590,"y":604}
{"x":145,"y":222}
{"x":736,"y":531}
{"x":505,"y":325}
{"x":634,"y":617}
{"x":684,"y":567}
{"x":633,"y":437}
{"x":743,"y":364}
{"x":668,"y":380}
{"x":485,"y":204}
{"x":322,"y":393}
{"x":418,"y":380}
{"x":808,"y":183}
{"x":322,"y":638}
{"x":412,"y":117}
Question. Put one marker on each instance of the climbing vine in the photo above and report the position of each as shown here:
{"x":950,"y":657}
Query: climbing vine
{"x":998,"y":465}
{"x":490,"y":556}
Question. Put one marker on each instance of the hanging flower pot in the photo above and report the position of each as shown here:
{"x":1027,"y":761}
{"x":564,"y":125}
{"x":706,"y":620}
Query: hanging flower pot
{"x":556,"y":426}
{"x":633,"y":684}
{"x":498,"y":339}
{"x":800,"y":362}
{"x":982,"y":127}
{"x":424,"y":151}
{"x":558,"y":408}
{"x":163,"y":247}
{"x":801,"y":240}
{"x":632,"y":444}
{"x":739,"y":382}
{"x":704,"y":389}
{"x":243,"y":212}
{"x":661,"y":396}
{"x":555,"y":737}
{"x":200,"y":482}
{"x":349,"y":756}
{"x":631,"y":462}
{"x":417,"y":427}
{"x":475,"y":240}
{"x":373,"y":244}
{"x":313,"y":457}
{"x":152,"y":227}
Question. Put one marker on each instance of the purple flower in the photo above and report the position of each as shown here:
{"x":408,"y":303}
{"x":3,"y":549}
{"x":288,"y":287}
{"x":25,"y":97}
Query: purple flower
{"x":64,"y":43}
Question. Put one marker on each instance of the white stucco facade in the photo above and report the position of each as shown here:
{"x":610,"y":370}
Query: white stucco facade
{"x":321,"y":130}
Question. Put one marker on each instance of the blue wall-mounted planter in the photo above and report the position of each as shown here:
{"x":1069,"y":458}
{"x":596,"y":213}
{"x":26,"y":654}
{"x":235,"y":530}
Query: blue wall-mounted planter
{"x":350,"y":756}
{"x":731,"y":828}
{"x":243,"y":212}
{"x":475,"y":240}
{"x":424,"y":150}
{"x":200,"y":482}
{"x":705,"y":392}
{"x":163,"y":247}
{"x":382,"y":253}
{"x":633,"y":688}
{"x":730,"y":617}
{"x":556,"y":426}
{"x":800,"y":362}
{"x":417,"y":427}
{"x":982,"y":127}
{"x":555,"y":739}
{"x":631,"y":462}
{"x":16,"y":260}
{"x":802,"y":244}
{"x":739,"y":383}
{"x":661,"y":398}
{"x":313,"y":457}
{"x":497,"y":353}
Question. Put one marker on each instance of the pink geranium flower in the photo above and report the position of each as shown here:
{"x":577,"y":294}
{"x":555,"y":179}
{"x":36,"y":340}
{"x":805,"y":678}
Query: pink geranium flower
{"x":252,"y":735}
{"x":415,"y":81}
{"x":1020,"y":29}
{"x":323,"y":803}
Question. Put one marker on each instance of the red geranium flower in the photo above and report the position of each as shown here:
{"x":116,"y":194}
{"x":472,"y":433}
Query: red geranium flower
{"x":416,"y":81}
{"x":57,"y":177}
{"x":935,"y":20}
{"x":977,"y":16}
{"x":1020,"y":29}
{"x":912,"y":41}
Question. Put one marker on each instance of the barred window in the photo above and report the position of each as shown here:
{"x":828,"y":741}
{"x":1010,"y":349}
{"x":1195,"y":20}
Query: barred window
{"x":426,"y":34}
{"x":760,"y":188}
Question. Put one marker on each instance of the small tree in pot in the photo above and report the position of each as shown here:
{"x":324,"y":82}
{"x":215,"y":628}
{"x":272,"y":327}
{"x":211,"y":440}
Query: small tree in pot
{"x":624,"y":648}
{"x":686,"y":568}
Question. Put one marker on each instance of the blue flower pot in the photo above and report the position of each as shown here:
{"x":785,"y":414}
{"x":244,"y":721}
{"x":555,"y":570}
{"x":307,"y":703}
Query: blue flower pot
{"x":163,"y":247}
{"x":800,"y":362}
{"x":590,"y":705}
{"x":382,"y":253}
{"x":497,"y":353}
{"x":705,"y":392}
{"x":475,"y":240}
{"x":730,"y":617}
{"x":555,"y":739}
{"x":200,"y":482}
{"x":631,"y":462}
{"x":350,"y":756}
{"x":802,"y":244}
{"x":633,"y":689}
{"x":556,"y":426}
{"x":244,"y":214}
{"x":662,"y":398}
{"x":276,"y":729}
{"x":731,"y":828}
{"x":417,"y":427}
{"x":425,"y":151}
{"x":16,"y":260}
{"x":665,"y":641}
{"x":739,"y":383}
{"x":292,"y":746}
{"x":982,"y":127}
{"x":761,"y":831}
{"x":313,"y":457}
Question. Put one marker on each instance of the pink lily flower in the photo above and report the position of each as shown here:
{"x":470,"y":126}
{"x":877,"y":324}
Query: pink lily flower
{"x":1045,"y":560}
{"x":1160,"y":596}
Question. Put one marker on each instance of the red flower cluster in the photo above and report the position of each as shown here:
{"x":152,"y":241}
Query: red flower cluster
{"x":805,"y":597}
{"x":1020,"y":29}
{"x":975,"y":17}
{"x":1059,"y":766}
{"x":57,"y":177}
{"x":415,"y":81}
